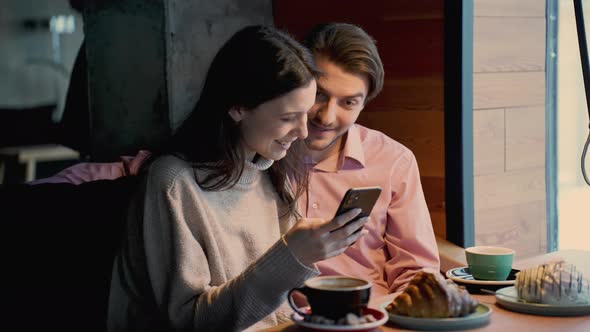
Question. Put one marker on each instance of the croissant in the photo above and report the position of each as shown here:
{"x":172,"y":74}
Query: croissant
{"x":556,"y":283}
{"x":429,"y":295}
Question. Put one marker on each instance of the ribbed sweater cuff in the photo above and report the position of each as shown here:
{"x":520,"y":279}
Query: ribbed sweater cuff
{"x":285,"y":266}
{"x":268,"y":281}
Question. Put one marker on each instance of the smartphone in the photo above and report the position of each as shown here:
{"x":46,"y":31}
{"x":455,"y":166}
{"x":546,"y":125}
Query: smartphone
{"x":361,"y":197}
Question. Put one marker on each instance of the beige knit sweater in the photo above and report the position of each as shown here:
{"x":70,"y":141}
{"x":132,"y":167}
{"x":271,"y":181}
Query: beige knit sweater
{"x":203,"y":260}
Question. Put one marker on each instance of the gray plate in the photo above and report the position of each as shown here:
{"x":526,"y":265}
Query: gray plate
{"x":480,"y":317}
{"x":506,"y":297}
{"x":378,"y":314}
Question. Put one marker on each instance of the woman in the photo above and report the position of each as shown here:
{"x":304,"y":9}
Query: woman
{"x":213,"y":243}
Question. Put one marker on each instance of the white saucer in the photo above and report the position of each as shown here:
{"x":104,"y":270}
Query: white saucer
{"x":463,"y":276}
{"x":380,"y":315}
{"x":506,"y":297}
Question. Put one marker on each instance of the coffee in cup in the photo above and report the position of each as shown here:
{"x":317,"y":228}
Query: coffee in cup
{"x":489,"y":263}
{"x":334,"y":297}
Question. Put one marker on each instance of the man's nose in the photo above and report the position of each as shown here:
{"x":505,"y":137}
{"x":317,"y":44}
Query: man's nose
{"x":326,"y":115}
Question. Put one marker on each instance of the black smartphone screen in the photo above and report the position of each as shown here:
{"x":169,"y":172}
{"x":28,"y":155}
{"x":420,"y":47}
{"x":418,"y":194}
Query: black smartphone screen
{"x":362,"y":197}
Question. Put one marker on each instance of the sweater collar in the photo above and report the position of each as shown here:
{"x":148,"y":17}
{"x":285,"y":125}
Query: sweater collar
{"x":252,"y":170}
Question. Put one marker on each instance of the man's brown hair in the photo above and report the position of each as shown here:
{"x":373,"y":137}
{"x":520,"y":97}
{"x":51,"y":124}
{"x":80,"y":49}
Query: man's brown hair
{"x":351,"y":48}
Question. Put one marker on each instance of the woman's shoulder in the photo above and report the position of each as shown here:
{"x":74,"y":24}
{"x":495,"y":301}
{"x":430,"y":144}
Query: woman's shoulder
{"x":166,"y":169}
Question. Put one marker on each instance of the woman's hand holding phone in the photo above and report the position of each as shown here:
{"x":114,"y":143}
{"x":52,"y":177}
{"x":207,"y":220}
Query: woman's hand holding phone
{"x":313,"y":240}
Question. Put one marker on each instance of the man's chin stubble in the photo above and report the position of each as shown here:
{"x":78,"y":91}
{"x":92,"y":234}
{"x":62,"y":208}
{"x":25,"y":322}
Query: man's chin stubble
{"x":323,"y":148}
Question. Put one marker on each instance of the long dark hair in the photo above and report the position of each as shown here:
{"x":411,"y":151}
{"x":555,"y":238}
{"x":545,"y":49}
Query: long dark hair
{"x":257,"y":64}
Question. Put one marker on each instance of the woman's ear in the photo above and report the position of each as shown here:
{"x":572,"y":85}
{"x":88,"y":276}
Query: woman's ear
{"x":237,"y":113}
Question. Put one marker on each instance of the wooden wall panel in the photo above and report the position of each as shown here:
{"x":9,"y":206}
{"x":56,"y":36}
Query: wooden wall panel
{"x":434,"y":192}
{"x":509,"y":8}
{"x":498,"y":90}
{"x":438,"y":218}
{"x":510,"y":188}
{"x":412,"y":47}
{"x":543,"y":222}
{"x":521,"y":227}
{"x":488,"y":141}
{"x":421,"y":132}
{"x":418,"y":93}
{"x":525,"y":138}
{"x":509,"y":99}
{"x":289,"y":11}
{"x":409,"y":34}
{"x":409,"y":10}
{"x":509,"y":44}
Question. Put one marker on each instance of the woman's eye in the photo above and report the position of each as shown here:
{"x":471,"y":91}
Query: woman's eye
{"x":289,"y":119}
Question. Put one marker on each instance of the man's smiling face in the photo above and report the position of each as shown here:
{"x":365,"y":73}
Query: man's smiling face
{"x":339,"y":100}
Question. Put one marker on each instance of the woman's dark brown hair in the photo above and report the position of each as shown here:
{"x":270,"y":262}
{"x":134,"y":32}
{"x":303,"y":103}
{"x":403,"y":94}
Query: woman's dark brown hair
{"x":257,"y":64}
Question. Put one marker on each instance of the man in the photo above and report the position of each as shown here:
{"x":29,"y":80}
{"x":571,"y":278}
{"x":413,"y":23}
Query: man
{"x":400,"y":239}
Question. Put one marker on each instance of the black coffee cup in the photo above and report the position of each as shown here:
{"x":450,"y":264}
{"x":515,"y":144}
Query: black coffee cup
{"x":334,"y":296}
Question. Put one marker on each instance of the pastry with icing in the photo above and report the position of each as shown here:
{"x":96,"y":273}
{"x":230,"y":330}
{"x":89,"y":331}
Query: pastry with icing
{"x":555,"y":283}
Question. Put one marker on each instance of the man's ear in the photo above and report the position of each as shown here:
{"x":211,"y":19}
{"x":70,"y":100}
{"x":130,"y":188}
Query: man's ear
{"x":237,"y":113}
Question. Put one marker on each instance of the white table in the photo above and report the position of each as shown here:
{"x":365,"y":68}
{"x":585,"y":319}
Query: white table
{"x":32,"y":154}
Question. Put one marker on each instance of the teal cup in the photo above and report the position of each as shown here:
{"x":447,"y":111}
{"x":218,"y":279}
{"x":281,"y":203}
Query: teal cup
{"x":489,"y":263}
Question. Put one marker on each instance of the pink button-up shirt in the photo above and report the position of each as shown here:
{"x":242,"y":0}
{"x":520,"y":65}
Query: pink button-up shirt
{"x":400,"y":241}
{"x":86,"y":172}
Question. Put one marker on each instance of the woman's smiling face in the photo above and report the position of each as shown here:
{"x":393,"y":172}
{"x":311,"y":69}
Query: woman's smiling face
{"x":271,"y":127}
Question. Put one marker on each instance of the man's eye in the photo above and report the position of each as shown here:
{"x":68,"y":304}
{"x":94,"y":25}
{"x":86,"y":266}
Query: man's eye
{"x":351,"y":102}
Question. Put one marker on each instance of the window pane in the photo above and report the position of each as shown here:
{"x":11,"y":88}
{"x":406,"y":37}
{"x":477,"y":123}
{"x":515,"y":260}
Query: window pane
{"x":572,"y":129}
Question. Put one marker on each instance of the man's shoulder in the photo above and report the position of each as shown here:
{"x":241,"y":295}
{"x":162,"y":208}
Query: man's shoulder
{"x":377,"y":142}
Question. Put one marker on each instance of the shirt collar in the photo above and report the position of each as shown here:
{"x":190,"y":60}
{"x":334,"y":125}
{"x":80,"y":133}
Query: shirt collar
{"x":351,"y":157}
